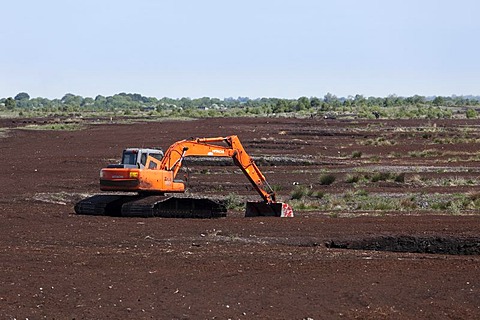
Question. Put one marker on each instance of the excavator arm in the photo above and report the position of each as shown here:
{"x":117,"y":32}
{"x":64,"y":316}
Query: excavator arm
{"x":207,"y":147}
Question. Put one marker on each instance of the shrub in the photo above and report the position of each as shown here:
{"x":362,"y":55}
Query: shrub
{"x":352,"y":178}
{"x":316,"y":194}
{"x":394,"y":155}
{"x":376,"y":203}
{"x":455,"y":206}
{"x":375,"y":159}
{"x":475,"y":198}
{"x":356,"y":154}
{"x":400,"y":178}
{"x":304,"y":205}
{"x":380,"y":176}
{"x":277,"y":187}
{"x":427,"y":136}
{"x":299,"y":192}
{"x":425,"y":153}
{"x":385,"y":176}
{"x":361,"y":193}
{"x":471,"y":114}
{"x":326,"y":179}
{"x":234,"y":202}
{"x":408,"y":203}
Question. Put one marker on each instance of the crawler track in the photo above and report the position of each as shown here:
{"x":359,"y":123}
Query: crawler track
{"x":150,"y":206}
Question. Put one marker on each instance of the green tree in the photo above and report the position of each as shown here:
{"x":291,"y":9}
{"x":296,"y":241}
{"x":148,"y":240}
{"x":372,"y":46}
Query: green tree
{"x":280,"y":106}
{"x":100,"y":102}
{"x":72,"y":100}
{"x":330,"y":101}
{"x":359,"y":100}
{"x":22,"y":96}
{"x":185,"y":103}
{"x":471,"y":113}
{"x":315,"y":102}
{"x":391,"y":101}
{"x":438,"y":101}
{"x":10,"y":103}
{"x":87,"y":102}
{"x":22,"y":100}
{"x":303,"y":103}
{"x":414,"y":100}
{"x":330,"y":98}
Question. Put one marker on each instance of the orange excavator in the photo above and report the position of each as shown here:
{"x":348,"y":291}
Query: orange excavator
{"x":151,"y":175}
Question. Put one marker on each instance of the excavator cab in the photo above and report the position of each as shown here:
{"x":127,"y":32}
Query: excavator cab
{"x":137,"y":158}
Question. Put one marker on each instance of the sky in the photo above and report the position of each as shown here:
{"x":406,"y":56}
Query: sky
{"x":219,"y":48}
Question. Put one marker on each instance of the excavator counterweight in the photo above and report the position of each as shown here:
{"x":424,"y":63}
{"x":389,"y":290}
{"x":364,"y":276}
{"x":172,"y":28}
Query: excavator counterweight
{"x":151,"y":174}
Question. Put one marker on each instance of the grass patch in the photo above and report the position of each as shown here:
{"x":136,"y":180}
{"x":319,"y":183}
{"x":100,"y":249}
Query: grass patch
{"x":425,"y":153}
{"x":444,"y":182}
{"x":55,"y":127}
{"x":375,"y":177}
{"x":377,"y":204}
{"x":380,"y":141}
{"x":3,"y":132}
{"x":234,"y":202}
{"x":363,"y":201}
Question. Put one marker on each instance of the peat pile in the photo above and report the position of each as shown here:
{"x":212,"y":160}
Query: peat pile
{"x":414,"y":244}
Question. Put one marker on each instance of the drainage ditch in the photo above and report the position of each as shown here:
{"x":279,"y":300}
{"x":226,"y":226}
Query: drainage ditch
{"x":414,"y":244}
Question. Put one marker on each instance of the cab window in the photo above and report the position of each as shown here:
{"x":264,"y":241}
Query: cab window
{"x":157,"y":156}
{"x":129,"y":158}
{"x":152,"y":165}
{"x":143,"y":159}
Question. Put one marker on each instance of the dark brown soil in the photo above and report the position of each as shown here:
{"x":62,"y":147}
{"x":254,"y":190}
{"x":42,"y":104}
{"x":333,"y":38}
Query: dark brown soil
{"x":58,"y":265}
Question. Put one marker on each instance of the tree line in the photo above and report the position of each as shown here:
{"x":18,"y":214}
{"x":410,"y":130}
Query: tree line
{"x":392,"y":105}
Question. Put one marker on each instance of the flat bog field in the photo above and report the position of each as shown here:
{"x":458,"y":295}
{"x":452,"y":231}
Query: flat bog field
{"x":387,"y":224}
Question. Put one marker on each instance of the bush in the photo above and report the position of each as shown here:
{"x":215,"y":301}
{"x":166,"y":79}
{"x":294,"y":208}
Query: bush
{"x":361,"y":193}
{"x":425,"y":153}
{"x":380,"y":176}
{"x":277,"y":187}
{"x":326,"y":179}
{"x":386,"y":176}
{"x":471,"y":114}
{"x":299,"y":192}
{"x":400,"y":178}
{"x":316,"y":194}
{"x":304,"y":205}
{"x":356,"y":154}
{"x":475,"y":200}
{"x":352,"y":178}
{"x":234,"y":202}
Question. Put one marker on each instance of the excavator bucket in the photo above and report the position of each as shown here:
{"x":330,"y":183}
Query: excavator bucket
{"x":263,"y":209}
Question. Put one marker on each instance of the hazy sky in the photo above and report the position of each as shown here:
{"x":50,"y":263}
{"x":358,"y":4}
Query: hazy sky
{"x":222,"y":48}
